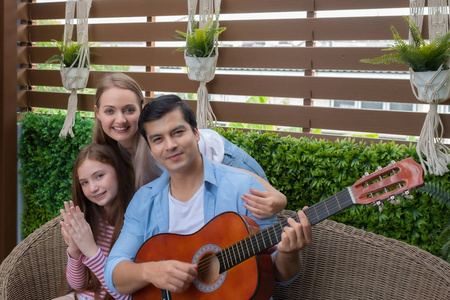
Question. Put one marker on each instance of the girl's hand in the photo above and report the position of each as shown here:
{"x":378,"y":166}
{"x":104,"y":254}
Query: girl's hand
{"x":80,"y":232}
{"x":264,"y":204}
{"x":73,"y":250}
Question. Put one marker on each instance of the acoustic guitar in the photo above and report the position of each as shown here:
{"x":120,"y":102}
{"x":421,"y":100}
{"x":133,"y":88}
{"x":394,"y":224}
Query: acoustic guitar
{"x":232,"y":252}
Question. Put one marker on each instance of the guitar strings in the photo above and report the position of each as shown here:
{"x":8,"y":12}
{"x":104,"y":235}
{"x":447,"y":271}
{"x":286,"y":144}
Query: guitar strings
{"x":235,"y":255}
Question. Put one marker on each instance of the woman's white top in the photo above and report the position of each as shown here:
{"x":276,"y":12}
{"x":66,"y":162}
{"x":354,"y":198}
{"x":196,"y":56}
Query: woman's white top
{"x":211,"y":145}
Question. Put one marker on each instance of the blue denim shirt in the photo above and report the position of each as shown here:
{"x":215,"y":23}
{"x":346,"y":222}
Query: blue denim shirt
{"x":148,"y":211}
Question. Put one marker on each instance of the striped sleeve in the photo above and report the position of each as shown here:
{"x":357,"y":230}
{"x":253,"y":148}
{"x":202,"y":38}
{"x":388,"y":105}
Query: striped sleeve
{"x":97,"y":263}
{"x":75,"y":272}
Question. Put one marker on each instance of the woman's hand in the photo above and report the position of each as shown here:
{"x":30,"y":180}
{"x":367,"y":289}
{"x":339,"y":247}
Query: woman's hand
{"x":76,"y":226}
{"x":264,"y":204}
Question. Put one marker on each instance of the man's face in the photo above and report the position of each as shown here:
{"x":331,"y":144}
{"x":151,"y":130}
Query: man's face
{"x":172,"y":142}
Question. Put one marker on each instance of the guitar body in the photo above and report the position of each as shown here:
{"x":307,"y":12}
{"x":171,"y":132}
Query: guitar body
{"x":251,"y":279}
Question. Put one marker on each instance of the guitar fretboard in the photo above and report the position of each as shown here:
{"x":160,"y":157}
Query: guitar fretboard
{"x":270,"y":236}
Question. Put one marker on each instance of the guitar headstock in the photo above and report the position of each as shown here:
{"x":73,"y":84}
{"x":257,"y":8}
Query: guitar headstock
{"x":389,"y":181}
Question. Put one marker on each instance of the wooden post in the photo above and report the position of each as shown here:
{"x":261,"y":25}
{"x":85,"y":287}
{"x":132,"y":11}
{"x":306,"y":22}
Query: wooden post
{"x":8,"y":127}
{"x":309,"y":72}
{"x":150,"y":69}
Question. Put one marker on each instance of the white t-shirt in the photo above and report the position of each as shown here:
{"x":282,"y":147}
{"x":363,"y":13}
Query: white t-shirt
{"x":186,"y":217}
{"x":211,"y":145}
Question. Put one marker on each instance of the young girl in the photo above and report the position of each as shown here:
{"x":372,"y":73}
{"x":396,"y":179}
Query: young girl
{"x":92,"y":221}
{"x":117,"y":108}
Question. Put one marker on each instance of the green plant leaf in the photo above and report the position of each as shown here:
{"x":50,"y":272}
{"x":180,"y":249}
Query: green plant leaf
{"x":200,"y":42}
{"x":419,"y":56}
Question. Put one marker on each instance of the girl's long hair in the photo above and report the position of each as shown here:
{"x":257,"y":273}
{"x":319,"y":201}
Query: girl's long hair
{"x":144,"y":164}
{"x":92,"y":212}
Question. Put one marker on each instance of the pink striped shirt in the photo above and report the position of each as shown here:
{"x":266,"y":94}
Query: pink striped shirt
{"x":75,"y":267}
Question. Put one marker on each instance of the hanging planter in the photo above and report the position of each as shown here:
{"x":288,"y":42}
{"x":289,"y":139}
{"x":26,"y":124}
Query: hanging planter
{"x":429,"y":77}
{"x":201,"y":68}
{"x":201,"y":53}
{"x":74,"y":78}
{"x":431,"y":85}
{"x":74,"y":67}
{"x":73,"y":57}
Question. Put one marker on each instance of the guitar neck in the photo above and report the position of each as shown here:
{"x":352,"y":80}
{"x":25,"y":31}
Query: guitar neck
{"x":328,"y":207}
{"x":270,"y":236}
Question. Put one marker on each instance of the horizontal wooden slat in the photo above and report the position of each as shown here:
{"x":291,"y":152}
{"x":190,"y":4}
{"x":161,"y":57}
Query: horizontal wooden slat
{"x":357,"y":89}
{"x":387,"y":122}
{"x":359,"y":4}
{"x":25,"y":99}
{"x":114,"y":8}
{"x":315,"y":58}
{"x":136,"y":8}
{"x":331,"y":29}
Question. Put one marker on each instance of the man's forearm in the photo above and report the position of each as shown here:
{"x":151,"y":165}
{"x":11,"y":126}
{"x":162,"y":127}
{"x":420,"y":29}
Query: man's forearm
{"x":287,"y":265}
{"x":129,"y":277}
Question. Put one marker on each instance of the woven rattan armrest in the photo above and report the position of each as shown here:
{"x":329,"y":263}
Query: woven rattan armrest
{"x":35,"y":268}
{"x":348,"y":263}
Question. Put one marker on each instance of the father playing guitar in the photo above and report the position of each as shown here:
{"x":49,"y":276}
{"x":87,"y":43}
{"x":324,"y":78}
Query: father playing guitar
{"x":190,"y":193}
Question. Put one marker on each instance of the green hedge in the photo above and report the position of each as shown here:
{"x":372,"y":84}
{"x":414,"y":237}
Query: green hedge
{"x":305,"y":170}
{"x":46,"y":165}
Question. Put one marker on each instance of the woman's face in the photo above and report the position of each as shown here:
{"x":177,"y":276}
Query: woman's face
{"x":119,"y":114}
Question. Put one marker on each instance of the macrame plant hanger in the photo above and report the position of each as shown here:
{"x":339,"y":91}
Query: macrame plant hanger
{"x":436,"y":89}
{"x":74,"y":78}
{"x":202,"y":69}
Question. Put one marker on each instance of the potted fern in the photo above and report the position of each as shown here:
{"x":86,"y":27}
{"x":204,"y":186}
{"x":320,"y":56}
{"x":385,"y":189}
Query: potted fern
{"x":201,"y":47}
{"x":427,"y":62}
{"x":74,"y":67}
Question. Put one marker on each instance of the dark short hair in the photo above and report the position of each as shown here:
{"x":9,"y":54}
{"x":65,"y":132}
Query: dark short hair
{"x":160,"y":106}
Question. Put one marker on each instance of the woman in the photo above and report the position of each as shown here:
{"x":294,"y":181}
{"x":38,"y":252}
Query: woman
{"x":118,"y":104}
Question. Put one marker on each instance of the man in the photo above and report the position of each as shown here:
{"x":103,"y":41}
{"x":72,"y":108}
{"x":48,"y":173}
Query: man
{"x":188,"y":195}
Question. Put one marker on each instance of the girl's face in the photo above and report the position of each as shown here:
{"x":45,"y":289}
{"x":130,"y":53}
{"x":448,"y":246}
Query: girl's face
{"x":98,"y":182}
{"x":119,"y":114}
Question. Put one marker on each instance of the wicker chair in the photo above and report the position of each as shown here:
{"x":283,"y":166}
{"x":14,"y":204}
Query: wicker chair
{"x":342,"y":263}
{"x":348,"y":263}
{"x":35,"y":268}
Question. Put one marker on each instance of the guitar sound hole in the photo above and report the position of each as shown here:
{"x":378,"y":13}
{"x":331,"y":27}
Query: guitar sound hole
{"x":208,"y":268}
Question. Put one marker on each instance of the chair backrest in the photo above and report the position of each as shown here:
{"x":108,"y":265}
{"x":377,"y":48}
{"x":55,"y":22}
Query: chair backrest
{"x":35,"y":269}
{"x":348,"y":263}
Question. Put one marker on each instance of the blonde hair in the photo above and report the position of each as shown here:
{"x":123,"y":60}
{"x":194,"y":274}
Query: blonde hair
{"x":145,"y":168}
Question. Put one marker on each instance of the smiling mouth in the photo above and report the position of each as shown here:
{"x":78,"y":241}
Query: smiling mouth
{"x":173,"y":156}
{"x":99,"y":195}
{"x":120,"y":128}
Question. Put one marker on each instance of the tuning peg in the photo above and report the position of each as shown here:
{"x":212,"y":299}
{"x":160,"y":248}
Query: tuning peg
{"x":407,"y":195}
{"x":392,"y":162}
{"x":379,"y":204}
{"x":394,"y":200}
{"x":379,"y":168}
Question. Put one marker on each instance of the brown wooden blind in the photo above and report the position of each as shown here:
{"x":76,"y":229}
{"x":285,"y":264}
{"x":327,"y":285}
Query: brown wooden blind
{"x":340,"y":42}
